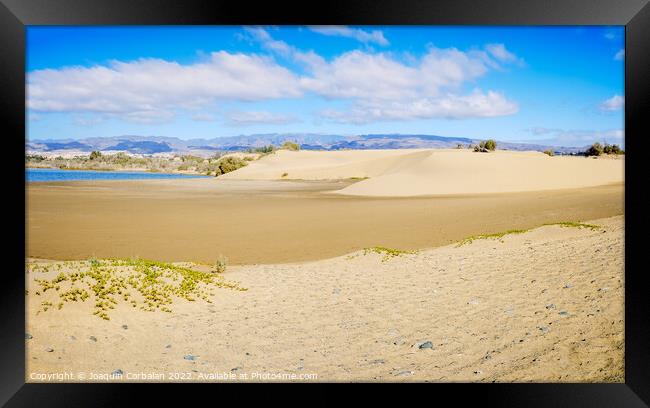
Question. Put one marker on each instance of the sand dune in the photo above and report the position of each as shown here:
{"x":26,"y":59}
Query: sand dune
{"x":403,"y":173}
{"x":325,"y":165}
{"x":546,"y":305}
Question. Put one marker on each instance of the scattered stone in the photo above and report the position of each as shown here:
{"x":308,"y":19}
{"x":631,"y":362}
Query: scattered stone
{"x":404,"y":373}
{"x":28,"y":336}
{"x":49,"y":349}
{"x":336,"y":291}
{"x":544,"y":329}
{"x":473,"y":302}
{"x":550,"y":306}
{"x":168,"y":346}
{"x":564,"y":313}
{"x":73,"y":338}
{"x":93,"y":338}
{"x":117,"y":373}
{"x":478,"y":372}
{"x":235,"y":369}
{"x":424,"y":345}
{"x":568,"y":286}
{"x":603,"y":289}
{"x":399,"y":342}
{"x":189,"y":357}
{"x":378,"y":361}
{"x":125,"y":326}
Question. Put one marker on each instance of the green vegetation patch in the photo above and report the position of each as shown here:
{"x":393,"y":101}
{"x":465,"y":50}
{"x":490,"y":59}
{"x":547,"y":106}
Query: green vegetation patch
{"x":388,"y":253}
{"x":499,"y":235}
{"x":230,"y":163}
{"x":149,"y":285}
{"x":122,"y":161}
{"x":572,"y":224}
{"x":597,"y":149}
{"x":288,"y":145}
{"x":486,"y":146}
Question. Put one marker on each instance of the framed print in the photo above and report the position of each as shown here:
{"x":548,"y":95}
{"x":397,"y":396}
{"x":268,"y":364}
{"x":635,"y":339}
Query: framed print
{"x":362,"y":192}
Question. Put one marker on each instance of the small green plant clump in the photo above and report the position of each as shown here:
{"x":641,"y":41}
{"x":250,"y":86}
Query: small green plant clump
{"x":36,"y":158}
{"x":549,"y":153}
{"x":288,"y":145}
{"x":572,"y":224}
{"x":595,"y":149}
{"x":228,"y":164}
{"x":500,"y":235}
{"x":262,"y":150}
{"x":497,"y":236}
{"x":151,"y":285}
{"x":95,"y":154}
{"x":485,"y":146}
{"x":612,"y":149}
{"x":387,"y":253}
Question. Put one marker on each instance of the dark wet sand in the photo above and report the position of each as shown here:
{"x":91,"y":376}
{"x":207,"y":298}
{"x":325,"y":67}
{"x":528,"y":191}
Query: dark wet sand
{"x":273,"y":222}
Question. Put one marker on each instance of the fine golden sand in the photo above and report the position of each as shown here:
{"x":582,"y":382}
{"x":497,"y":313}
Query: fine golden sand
{"x":275,"y":221}
{"x":407,"y":173}
{"x":544,"y":303}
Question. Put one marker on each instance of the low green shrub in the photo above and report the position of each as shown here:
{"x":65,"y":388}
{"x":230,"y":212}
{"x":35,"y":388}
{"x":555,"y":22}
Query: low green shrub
{"x":230,"y":163}
{"x":288,"y":145}
{"x":612,"y":149}
{"x":596,"y":149}
{"x":486,"y":146}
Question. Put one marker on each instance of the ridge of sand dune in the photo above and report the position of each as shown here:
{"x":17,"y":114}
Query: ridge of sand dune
{"x":327,"y":165}
{"x":463,"y":172}
{"x":403,"y":173}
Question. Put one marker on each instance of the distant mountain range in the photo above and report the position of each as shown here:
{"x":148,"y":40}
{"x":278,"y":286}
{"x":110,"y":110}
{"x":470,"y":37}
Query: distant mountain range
{"x":158,"y":144}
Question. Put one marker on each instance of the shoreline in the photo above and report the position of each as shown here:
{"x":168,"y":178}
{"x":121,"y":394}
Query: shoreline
{"x":135,"y":170}
{"x":270,"y":222}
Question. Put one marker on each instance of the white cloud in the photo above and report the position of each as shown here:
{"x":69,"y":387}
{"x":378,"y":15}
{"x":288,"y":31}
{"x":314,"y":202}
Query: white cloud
{"x":620,"y":55}
{"x":149,"y":90}
{"x":87,"y":120}
{"x":615,"y":103}
{"x":283,"y":49}
{"x":203,"y":117}
{"x":475,"y":105}
{"x":258,"y":117}
{"x":375,"y":36}
{"x":383,"y":88}
{"x":500,"y":52}
{"x":357,"y":74}
{"x":378,"y":86}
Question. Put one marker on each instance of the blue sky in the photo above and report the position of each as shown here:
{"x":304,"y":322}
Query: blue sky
{"x":556,"y":85}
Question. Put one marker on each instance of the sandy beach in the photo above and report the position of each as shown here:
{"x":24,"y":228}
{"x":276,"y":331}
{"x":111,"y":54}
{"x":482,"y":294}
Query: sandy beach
{"x":541,"y":305}
{"x":324,"y":214}
{"x":546,"y":305}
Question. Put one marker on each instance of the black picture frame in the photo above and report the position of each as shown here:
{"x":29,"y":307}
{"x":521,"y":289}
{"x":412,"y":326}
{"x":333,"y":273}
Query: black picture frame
{"x":633,"y":14}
